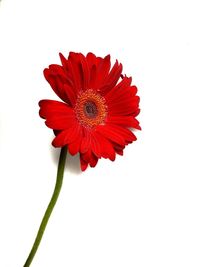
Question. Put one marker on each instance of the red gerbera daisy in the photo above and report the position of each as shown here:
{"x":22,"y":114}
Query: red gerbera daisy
{"x":98,"y":109}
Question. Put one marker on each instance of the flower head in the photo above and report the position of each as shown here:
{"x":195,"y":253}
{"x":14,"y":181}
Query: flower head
{"x":98,"y":110}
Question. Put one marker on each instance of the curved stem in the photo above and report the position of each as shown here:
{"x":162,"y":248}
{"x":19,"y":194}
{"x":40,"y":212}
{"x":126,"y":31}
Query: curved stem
{"x":59,"y":180}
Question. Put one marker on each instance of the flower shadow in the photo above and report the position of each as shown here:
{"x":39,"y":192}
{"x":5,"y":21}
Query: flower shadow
{"x":72,"y":162}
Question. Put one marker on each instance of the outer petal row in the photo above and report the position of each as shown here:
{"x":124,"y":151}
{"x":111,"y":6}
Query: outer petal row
{"x":80,"y":73}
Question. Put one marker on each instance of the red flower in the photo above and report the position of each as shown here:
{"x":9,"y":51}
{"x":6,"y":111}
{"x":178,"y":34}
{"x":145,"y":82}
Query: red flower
{"x":98,"y":109}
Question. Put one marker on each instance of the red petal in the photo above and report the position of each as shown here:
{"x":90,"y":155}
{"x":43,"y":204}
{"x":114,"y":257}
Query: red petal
{"x":92,"y":64}
{"x":54,"y":108}
{"x":102,"y":71}
{"x":93,"y":160}
{"x":119,"y":151}
{"x":127,"y":135}
{"x":86,"y":142}
{"x":74,"y":147}
{"x":112,"y":78}
{"x":74,"y":66}
{"x":71,"y":94}
{"x":85,"y":72}
{"x":124,"y":107}
{"x":56,"y":78}
{"x":126,"y":121}
{"x":136,"y":112}
{"x":91,"y":59}
{"x":90,"y":158}
{"x":66,"y":137}
{"x":109,"y":133}
{"x":84,"y":164}
{"x":119,"y":89}
{"x":107,"y":149}
{"x":57,"y":114}
{"x":63,"y":61}
{"x":60,"y":139}
{"x":95,"y":146}
{"x":60,"y":123}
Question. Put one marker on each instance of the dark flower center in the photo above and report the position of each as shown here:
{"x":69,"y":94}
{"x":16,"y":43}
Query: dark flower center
{"x":90,"y":109}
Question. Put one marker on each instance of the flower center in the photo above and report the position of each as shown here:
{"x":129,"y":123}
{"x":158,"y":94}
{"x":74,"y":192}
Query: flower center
{"x":90,"y":108}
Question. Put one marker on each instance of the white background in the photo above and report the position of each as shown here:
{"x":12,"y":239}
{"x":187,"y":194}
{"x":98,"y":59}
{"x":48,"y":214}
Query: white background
{"x":142,"y":210}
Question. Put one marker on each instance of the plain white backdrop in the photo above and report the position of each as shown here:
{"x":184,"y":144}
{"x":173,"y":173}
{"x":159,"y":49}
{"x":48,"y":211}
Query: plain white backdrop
{"x":142,"y":210}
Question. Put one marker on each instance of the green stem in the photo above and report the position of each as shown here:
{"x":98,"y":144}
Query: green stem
{"x":59,"y":180}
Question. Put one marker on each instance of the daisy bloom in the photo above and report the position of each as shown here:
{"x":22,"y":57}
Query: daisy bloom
{"x":98,"y":109}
